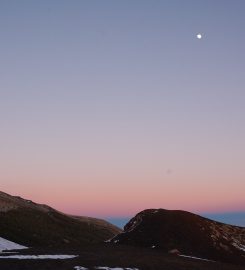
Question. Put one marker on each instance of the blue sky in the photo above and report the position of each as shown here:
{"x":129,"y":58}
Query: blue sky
{"x":106,"y":100}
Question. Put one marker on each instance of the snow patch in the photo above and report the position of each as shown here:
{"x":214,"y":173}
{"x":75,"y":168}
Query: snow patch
{"x":196,"y":258}
{"x":108,"y":241}
{"x":8,"y":245}
{"x":80,"y":268}
{"x":9,"y":252}
{"x":239,"y":246}
{"x":39,"y":257}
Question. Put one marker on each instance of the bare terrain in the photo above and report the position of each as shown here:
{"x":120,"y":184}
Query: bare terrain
{"x":154,"y":239}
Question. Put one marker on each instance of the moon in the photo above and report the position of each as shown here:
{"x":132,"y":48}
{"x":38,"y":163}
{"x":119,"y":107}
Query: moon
{"x":199,"y":36}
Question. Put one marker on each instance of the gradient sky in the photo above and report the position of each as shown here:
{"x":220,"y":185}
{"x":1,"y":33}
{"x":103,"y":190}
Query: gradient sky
{"x":111,"y":107}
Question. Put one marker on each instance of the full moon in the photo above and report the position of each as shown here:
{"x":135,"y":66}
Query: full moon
{"x":199,"y":36}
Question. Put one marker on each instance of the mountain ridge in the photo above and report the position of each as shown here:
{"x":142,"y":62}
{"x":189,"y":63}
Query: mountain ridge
{"x":184,"y":233}
{"x":32,"y":224}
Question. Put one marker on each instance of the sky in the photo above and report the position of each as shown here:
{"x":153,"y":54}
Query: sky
{"x":111,"y":107}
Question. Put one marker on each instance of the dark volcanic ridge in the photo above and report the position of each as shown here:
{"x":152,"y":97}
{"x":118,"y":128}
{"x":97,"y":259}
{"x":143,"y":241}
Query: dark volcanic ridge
{"x":145,"y":242}
{"x":37,"y":225}
{"x":181,"y":232}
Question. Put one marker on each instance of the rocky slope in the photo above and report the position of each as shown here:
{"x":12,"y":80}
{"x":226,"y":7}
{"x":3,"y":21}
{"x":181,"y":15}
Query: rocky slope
{"x":181,"y":232}
{"x":36,"y":225}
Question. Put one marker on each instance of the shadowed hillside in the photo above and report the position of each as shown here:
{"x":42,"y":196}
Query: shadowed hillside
{"x":185,"y":233}
{"x":31,"y":224}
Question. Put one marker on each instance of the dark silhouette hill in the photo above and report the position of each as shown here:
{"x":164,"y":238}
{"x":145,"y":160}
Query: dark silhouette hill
{"x":38,"y":225}
{"x":181,"y":232}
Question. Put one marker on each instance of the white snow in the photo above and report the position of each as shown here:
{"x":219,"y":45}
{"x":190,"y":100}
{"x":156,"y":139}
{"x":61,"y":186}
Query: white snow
{"x":239,"y":246}
{"x":80,"y":268}
{"x":153,"y":246}
{"x":39,"y":257}
{"x":9,"y":252}
{"x":8,"y":245}
{"x":242,"y":248}
{"x":196,"y":258}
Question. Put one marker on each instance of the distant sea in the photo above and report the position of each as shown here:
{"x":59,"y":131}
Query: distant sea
{"x":119,"y":222}
{"x":233,"y":218}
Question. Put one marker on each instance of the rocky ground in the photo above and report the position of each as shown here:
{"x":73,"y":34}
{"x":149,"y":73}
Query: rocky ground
{"x":111,"y":255}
